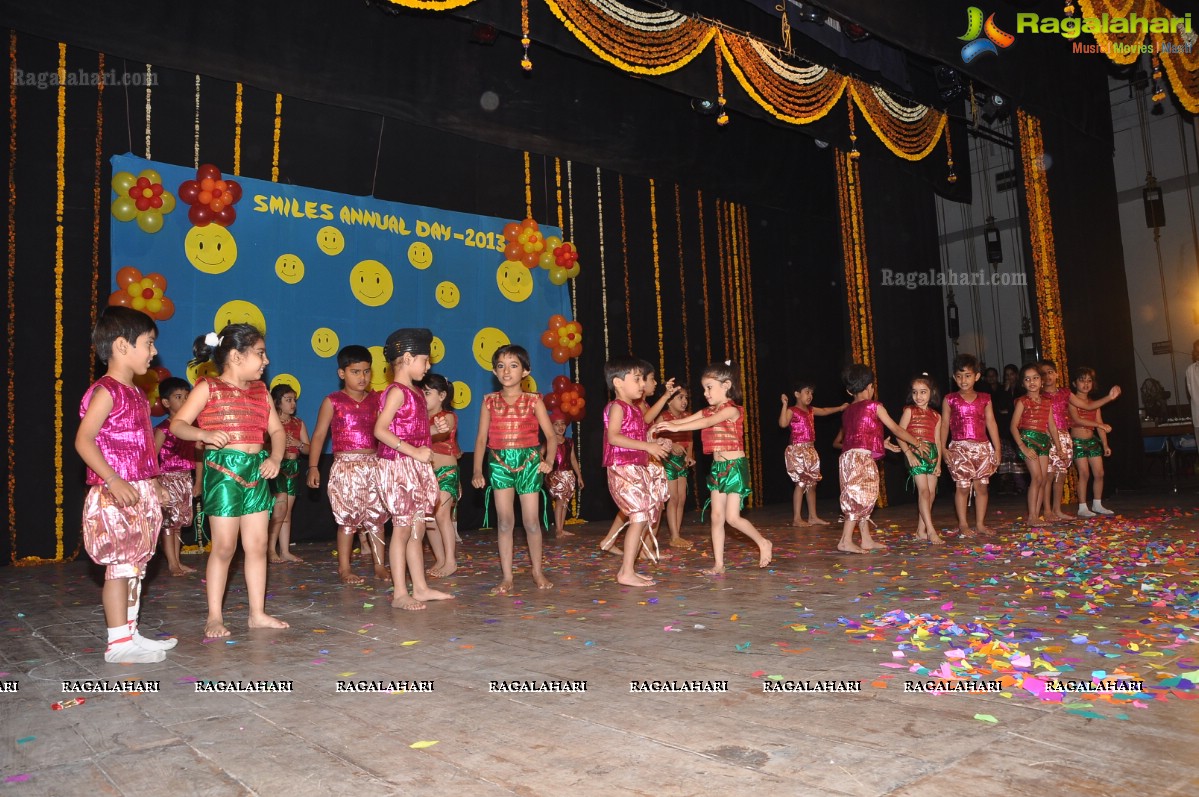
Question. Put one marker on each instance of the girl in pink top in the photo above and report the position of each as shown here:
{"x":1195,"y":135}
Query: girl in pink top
{"x":803,"y":463}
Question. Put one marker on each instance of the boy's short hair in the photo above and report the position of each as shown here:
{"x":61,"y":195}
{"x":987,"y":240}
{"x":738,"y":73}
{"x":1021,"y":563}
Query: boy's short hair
{"x":119,"y":322}
{"x":648,"y":368}
{"x":620,"y":367}
{"x":805,"y":384}
{"x":353,"y":354}
{"x":964,"y":361}
{"x":169,"y":385}
{"x":857,"y":377}
{"x":1047,"y":364}
{"x":512,"y":350}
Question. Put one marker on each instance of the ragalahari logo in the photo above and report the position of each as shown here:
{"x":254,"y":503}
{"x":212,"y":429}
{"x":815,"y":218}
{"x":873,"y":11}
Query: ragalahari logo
{"x":993,"y":39}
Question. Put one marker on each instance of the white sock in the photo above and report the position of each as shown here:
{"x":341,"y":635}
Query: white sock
{"x":141,"y":641}
{"x":1082,"y":507}
{"x":119,"y":635}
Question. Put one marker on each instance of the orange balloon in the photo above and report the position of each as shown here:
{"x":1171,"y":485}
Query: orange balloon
{"x":120,"y":299}
{"x":128,"y":275}
{"x":511,"y":230}
{"x":548,"y":339}
{"x":168,"y":309}
{"x":560,"y":356}
{"x":529,"y":224}
{"x":556,"y":322}
{"x":158,"y":281}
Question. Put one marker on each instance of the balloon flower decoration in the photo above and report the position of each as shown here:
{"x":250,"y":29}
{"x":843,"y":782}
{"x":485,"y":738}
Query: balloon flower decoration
{"x":568,"y":399}
{"x":563,"y":338}
{"x":211,"y":197}
{"x":525,"y":242}
{"x":142,"y":198}
{"x":146,"y":293}
{"x":560,"y":259}
{"x":149,"y":382}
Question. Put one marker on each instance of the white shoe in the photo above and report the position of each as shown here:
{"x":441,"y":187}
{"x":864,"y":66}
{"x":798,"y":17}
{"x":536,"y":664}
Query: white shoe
{"x":154,"y":644}
{"x":130,"y":653}
{"x":1084,"y":512}
{"x":1100,"y":509}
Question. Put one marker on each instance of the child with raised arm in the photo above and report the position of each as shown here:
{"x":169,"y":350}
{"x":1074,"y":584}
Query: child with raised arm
{"x":507,"y":442}
{"x":285,"y":486}
{"x":123,"y":508}
{"x":677,"y":465}
{"x":924,"y":423}
{"x":1036,"y":435}
{"x":565,"y":477}
{"x":802,"y":461}
{"x":443,"y":422}
{"x":723,"y":436}
{"x":355,"y":489}
{"x":627,"y":451}
{"x":409,"y":485}
{"x":973,"y":455}
{"x":232,"y":414}
{"x":1060,"y":402}
{"x":1088,"y":432}
{"x":179,"y":478}
{"x":862,"y":423}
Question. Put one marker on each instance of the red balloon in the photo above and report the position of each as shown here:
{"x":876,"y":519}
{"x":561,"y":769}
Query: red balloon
{"x":552,"y":402}
{"x":208,"y":171}
{"x":560,"y":355}
{"x":200,"y":215}
{"x":561,"y":383}
{"x":127,"y":276}
{"x":120,"y":299}
{"x":530,"y":259}
{"x":556,"y":322}
{"x":189,"y":191}
{"x":233,"y":190}
{"x":163,"y":372}
{"x":549,"y":339}
{"x":513,"y":251}
{"x":510,"y":232}
{"x":168,"y":310}
{"x":226,"y":217}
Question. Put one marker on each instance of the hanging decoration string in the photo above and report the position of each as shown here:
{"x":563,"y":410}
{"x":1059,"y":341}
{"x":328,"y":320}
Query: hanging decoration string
{"x":599,"y":206}
{"x":703,"y":270}
{"x":98,"y":195}
{"x":10,"y":325}
{"x":60,"y":189}
{"x":528,"y":186}
{"x":574,"y":310}
{"x":653,"y":222}
{"x":149,"y":84}
{"x":624,"y":249}
{"x":196,"y":144}
{"x":237,"y":115}
{"x":525,"y":41}
{"x":752,"y":360}
{"x":278,"y":132}
{"x":725,"y":282}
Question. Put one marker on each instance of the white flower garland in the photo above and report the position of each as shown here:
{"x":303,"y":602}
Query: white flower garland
{"x":641,"y":20}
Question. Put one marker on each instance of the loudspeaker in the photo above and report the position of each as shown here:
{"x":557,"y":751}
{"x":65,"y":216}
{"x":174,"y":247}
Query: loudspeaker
{"x":1155,"y":209}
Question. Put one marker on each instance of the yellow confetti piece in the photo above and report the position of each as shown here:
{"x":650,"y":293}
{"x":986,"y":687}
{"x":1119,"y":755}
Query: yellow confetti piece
{"x":421,"y":745}
{"x":410,"y":643}
{"x":318,"y":630}
{"x":345,"y":674}
{"x":735,"y":617}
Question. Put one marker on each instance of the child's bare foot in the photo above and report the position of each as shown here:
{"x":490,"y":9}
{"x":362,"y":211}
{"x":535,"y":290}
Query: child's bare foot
{"x":348,"y":577}
{"x":986,"y":531}
{"x":435,"y":570}
{"x":714,"y":571}
{"x":634,"y":580}
{"x":679,"y":542}
{"x":407,"y":603}
{"x":965,"y":531}
{"x":815,"y":521}
{"x":290,"y":557}
{"x":182,"y":570}
{"x":872,"y":545}
{"x":274,"y":559}
{"x":609,"y":545}
{"x":266,"y":621}
{"x":504,"y":588}
{"x":935,"y":538}
{"x":765,"y":553}
{"x":431,"y":595}
{"x":448,"y":570}
{"x":541,"y":581}
{"x":382,"y":573}
{"x":920,"y":535}
{"x":215,"y":629}
{"x":798,"y":522}
{"x":849,"y":547}
{"x":564,"y":533}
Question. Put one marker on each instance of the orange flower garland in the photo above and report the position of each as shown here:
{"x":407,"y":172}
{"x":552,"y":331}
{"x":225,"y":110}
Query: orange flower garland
{"x":11,"y":314}
{"x":278,"y":131}
{"x":599,"y":207}
{"x":624,"y":250}
{"x":653,"y":221}
{"x":237,"y":114}
{"x":703,"y":270}
{"x":60,"y":189}
{"x":645,"y":43}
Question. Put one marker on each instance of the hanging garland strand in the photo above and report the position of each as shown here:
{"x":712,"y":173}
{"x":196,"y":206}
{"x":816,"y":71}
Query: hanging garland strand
{"x":149,"y":83}
{"x":528,"y":186}
{"x":60,"y":189}
{"x":574,"y":309}
{"x":653,"y":221}
{"x":686,"y":339}
{"x":703,"y":270}
{"x":752,"y":347}
{"x":196,"y":144}
{"x":278,"y":132}
{"x":11,"y":305}
{"x":725,"y":282}
{"x":237,"y":114}
{"x":599,"y":206}
{"x":624,"y":249}
{"x":97,"y":198}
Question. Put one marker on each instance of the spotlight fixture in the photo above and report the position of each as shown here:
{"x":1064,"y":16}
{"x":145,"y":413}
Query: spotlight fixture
{"x":821,"y":144}
{"x":813,"y":14}
{"x":854,"y":32}
{"x":994,"y":244}
{"x":949,"y":83}
{"x":996,"y":107}
{"x":704,"y":106}
{"x":1155,"y":209}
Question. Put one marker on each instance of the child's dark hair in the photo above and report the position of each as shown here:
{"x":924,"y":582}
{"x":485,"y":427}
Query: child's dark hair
{"x":805,"y":384}
{"x":647,"y":368}
{"x":512,"y":350}
{"x":620,"y":367}
{"x":1029,"y":367}
{"x":439,"y":384}
{"x":240,"y":337}
{"x":934,"y":393}
{"x":725,"y":372}
{"x":171,"y":384}
{"x":1047,"y":364}
{"x":964,"y":361}
{"x":120,"y":322}
{"x":857,"y":377}
{"x":279,"y":391}
{"x":1081,"y":372}
{"x":353,"y":354}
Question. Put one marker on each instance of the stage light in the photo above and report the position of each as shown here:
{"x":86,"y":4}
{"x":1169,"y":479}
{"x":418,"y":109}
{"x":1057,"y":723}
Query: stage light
{"x":949,"y":83}
{"x":704,"y":106}
{"x":854,"y":32}
{"x":951,"y":317}
{"x":813,"y":14}
{"x":994,"y":245}
{"x":996,"y":107}
{"x":1155,"y":209}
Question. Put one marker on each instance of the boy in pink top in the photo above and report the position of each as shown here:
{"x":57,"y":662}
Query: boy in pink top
{"x":973,"y":455}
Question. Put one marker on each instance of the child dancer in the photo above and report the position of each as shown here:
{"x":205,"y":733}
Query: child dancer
{"x":971,"y":458}
{"x":177,"y":460}
{"x":284,"y":486}
{"x":1061,"y":401}
{"x":565,"y":477}
{"x":803,"y":463}
{"x":1089,"y":451}
{"x":409,"y":486}
{"x":439,"y":395}
{"x":507,"y":441}
{"x":923,"y":423}
{"x":122,"y":512}
{"x":232,"y":414}
{"x":723,"y":436}
{"x":626,"y":456}
{"x":862,"y":444}
{"x":677,"y":465}
{"x":1035,"y":432}
{"x":354,"y":487}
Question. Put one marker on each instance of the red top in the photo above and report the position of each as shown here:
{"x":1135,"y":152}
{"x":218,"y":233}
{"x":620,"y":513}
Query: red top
{"x":725,"y":436}
{"x":292,"y":429}
{"x":923,"y":425}
{"x":411,"y":421}
{"x":242,"y":414}
{"x":1086,"y":415}
{"x":1035,"y":415}
{"x":449,"y":445}
{"x":512,"y":425}
{"x":562,"y":454}
{"x":681,"y":438}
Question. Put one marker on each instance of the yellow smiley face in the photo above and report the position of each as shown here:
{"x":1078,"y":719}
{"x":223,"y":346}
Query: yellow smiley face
{"x":371,"y":284}
{"x":286,"y":379}
{"x":461,"y":396}
{"x":528,"y":384}
{"x":381,"y":374}
{"x":289,"y":268}
{"x":211,"y":249}
{"x":420,"y":255}
{"x":325,"y":342}
{"x":515,"y":281}
{"x":447,"y":294}
{"x":194,"y":371}
{"x":436,"y":350}
{"x":330,"y":241}
{"x":487,"y":340}
{"x":239,"y":312}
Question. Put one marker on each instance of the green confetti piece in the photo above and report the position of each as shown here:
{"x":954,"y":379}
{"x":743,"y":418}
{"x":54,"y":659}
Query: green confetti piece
{"x":986,"y":718}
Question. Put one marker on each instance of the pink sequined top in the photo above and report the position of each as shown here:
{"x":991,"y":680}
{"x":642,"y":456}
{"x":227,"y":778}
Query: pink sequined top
{"x":1060,"y":407}
{"x":725,"y":436}
{"x":126,"y":439}
{"x":176,"y":455}
{"x":512,"y":425}
{"x":448,"y":446}
{"x":632,"y":425}
{"x":562,"y":454}
{"x":292,"y":429}
{"x":411,"y":421}
{"x":353,"y":425}
{"x":1035,"y":415}
{"x":968,"y":419}
{"x":923,"y":424}
{"x":802,"y":428}
{"x":862,"y":427}
{"x":242,"y":414}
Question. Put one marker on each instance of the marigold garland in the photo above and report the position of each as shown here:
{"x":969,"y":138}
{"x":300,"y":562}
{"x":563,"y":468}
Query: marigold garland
{"x":952,"y":177}
{"x":237,"y":115}
{"x":574,"y":310}
{"x":97,"y":199}
{"x":11,"y":306}
{"x":798,"y":95}
{"x":653,"y":222}
{"x":196,"y":143}
{"x":754,"y":392}
{"x":432,"y":5}
{"x":664,"y":41}
{"x":678,"y":225}
{"x":624,"y":250}
{"x":149,"y":84}
{"x":525,"y":41}
{"x":703,"y":270}
{"x":528,"y":186}
{"x":911,"y":138}
{"x":278,"y":131}
{"x":60,"y":189}
{"x":722,"y":118}
{"x":599,"y":208}
{"x":725,"y":282}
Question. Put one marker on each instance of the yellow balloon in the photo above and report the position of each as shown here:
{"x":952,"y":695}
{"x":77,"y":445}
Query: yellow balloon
{"x":289,"y":268}
{"x":436,"y":350}
{"x":371,"y":284}
{"x":514,"y":280}
{"x":325,"y":342}
{"x":194,"y":371}
{"x":381,"y":374}
{"x":486,"y":341}
{"x":528,"y":384}
{"x":420,"y":255}
{"x":286,"y":379}
{"x":461,"y":396}
{"x":330,"y":241}
{"x":238,"y":311}
{"x":211,"y":249}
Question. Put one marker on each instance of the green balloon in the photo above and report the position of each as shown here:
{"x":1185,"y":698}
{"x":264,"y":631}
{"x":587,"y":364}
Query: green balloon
{"x":150,"y":221}
{"x":124,"y":209}
{"x":168,"y":202}
{"x":122,"y":182}
{"x":151,"y":175}
{"x":558,"y":275}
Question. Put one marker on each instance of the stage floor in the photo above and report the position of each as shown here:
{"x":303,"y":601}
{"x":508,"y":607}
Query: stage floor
{"x":1112,"y":600}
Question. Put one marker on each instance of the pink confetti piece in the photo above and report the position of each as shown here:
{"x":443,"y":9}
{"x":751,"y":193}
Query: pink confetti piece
{"x":946,"y":606}
{"x":24,"y":776}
